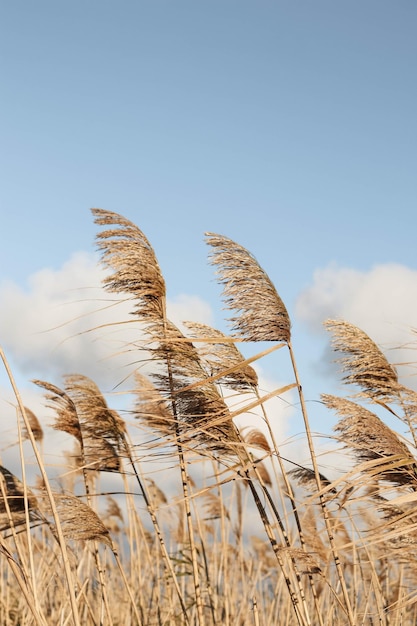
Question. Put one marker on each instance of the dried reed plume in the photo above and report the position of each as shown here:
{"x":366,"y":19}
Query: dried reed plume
{"x":34,"y":424}
{"x":222,"y":358}
{"x":102,"y":428}
{"x":201,"y":413}
{"x":305,"y":476}
{"x":64,"y":408}
{"x":198,"y":410}
{"x":370,"y":439}
{"x":113,"y":509}
{"x":125,"y":250}
{"x":151,"y":408}
{"x":81,"y":411}
{"x":12,"y":501}
{"x":255,"y":438}
{"x":214,"y":507}
{"x":362,"y":361}
{"x":248,"y":290}
{"x":155,"y":493}
{"x":78,"y":521}
{"x":367,"y":367}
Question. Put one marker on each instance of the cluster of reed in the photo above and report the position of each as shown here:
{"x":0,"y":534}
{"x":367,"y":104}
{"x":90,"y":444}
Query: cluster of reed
{"x":250,"y":537}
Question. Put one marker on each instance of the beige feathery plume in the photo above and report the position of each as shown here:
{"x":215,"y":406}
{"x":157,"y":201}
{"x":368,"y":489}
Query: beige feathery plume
{"x":83,"y":413}
{"x":113,"y":509}
{"x":261,"y":472}
{"x":102,"y":428}
{"x":222,"y":356}
{"x":125,"y":250}
{"x":66,"y":413}
{"x":156,"y":494}
{"x":256,"y":439}
{"x":370,"y":439}
{"x":12,"y":502}
{"x":363,"y":363}
{"x":201,"y":412}
{"x":34,"y":424}
{"x":306,"y":561}
{"x":100,"y":455}
{"x":151,"y":408}
{"x":78,"y":521}
{"x":305,"y":476}
{"x":213,"y":507}
{"x":247,"y":289}
{"x":92,"y":408}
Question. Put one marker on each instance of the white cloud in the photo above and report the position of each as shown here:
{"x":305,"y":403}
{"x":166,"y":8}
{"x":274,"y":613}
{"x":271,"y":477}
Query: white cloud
{"x":65,"y":322}
{"x":185,"y":307}
{"x":381,"y":301}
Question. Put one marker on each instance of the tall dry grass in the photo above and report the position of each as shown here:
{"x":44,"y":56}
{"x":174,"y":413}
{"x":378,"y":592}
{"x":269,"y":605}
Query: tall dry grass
{"x":231,"y":532}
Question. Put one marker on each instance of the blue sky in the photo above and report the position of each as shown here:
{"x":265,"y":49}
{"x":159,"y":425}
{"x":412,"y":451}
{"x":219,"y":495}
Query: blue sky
{"x":290,"y":127}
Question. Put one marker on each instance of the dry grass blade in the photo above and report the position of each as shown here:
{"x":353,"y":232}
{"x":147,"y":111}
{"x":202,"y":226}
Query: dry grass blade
{"x":247,"y":289}
{"x":362,"y":361}
{"x":127,"y":251}
{"x":369,"y":438}
{"x":223,"y":357}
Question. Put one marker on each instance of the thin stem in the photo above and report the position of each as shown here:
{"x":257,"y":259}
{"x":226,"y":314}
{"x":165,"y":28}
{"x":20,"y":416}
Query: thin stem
{"x":336,"y":558}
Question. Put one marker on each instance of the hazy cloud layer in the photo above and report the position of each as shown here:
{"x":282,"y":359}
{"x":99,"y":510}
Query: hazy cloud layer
{"x":64,"y":322}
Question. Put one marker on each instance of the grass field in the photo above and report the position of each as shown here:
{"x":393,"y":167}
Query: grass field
{"x":246,"y":536}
